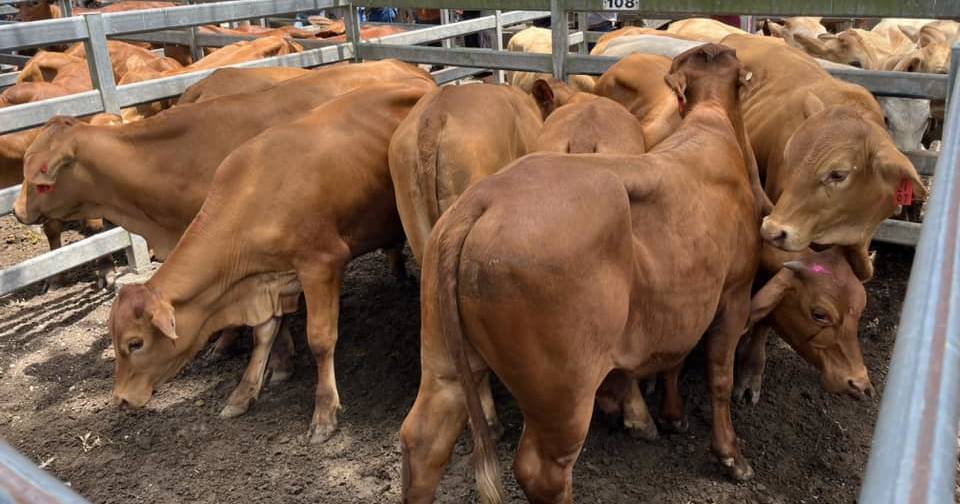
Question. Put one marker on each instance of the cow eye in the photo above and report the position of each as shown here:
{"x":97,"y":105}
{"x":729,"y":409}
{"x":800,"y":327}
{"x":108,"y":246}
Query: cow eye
{"x":837,"y":176}
{"x":821,"y":317}
{"x":856,"y":64}
{"x":135,"y":345}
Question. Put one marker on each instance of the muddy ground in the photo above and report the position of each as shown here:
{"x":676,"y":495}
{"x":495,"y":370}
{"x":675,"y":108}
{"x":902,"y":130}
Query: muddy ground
{"x":56,"y":374}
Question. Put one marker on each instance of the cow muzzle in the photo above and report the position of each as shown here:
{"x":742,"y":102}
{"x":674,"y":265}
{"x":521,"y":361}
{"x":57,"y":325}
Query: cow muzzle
{"x":860,"y":388}
{"x":782,"y":236}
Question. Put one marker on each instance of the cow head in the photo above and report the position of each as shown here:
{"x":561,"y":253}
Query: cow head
{"x":52,"y":188}
{"x":34,"y":11}
{"x":704,"y":69}
{"x":931,"y":55}
{"x":846,"y":47}
{"x":148,"y":350}
{"x":815,"y":304}
{"x":907,"y":121}
{"x":844,"y":172}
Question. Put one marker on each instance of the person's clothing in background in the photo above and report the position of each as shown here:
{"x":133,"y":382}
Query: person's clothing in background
{"x":428,"y":16}
{"x":601,"y":21}
{"x":379,"y":15}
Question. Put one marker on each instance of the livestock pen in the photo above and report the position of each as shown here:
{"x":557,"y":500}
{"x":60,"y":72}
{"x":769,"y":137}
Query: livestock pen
{"x":914,"y":448}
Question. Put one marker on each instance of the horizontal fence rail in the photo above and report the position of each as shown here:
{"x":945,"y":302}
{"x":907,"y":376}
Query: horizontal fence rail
{"x":22,"y":481}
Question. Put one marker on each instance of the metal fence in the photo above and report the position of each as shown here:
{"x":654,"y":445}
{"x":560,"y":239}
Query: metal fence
{"x":914,"y":449}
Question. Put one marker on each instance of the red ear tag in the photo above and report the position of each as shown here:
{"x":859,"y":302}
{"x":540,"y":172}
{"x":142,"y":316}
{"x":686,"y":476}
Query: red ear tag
{"x":904,"y":193}
{"x":44,"y":188}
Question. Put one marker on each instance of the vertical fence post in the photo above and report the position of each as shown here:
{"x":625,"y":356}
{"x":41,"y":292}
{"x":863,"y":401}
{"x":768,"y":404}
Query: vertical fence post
{"x":561,"y":40}
{"x":445,"y":19}
{"x":101,"y":72}
{"x":498,"y":44}
{"x":583,"y":47}
{"x":952,"y":77}
{"x":138,"y":254}
{"x":66,"y":8}
{"x":352,"y":22}
{"x":196,"y":52}
{"x":98,"y":59}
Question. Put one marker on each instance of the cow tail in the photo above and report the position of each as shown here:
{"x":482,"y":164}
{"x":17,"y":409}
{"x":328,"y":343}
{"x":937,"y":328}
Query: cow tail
{"x":428,"y":146}
{"x":450,"y":246}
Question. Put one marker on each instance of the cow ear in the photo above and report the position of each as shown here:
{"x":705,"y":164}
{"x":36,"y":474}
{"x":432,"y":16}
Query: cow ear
{"x":678,"y":83}
{"x":543,"y":94}
{"x":893,"y":165}
{"x":812,"y":105}
{"x":909,"y":63}
{"x":911,"y":32}
{"x":768,"y":297}
{"x":164,"y":320}
{"x":774,"y":29}
{"x":813,"y":46}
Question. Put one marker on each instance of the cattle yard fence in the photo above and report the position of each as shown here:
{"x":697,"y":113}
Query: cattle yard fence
{"x":914,"y":448}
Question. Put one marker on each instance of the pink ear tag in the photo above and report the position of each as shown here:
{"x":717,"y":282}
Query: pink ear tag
{"x":904,"y":193}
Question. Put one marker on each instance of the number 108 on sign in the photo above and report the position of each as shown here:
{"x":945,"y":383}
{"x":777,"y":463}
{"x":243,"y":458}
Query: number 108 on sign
{"x":621,"y":4}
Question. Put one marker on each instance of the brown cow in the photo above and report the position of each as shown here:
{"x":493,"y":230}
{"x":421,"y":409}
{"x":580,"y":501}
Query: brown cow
{"x":814,"y":301}
{"x":456,"y":136}
{"x":636,"y":82}
{"x":584,"y":123}
{"x":229,"y":81}
{"x":143,"y":178}
{"x":831,"y":168}
{"x":562,"y":268}
{"x":245,"y":256}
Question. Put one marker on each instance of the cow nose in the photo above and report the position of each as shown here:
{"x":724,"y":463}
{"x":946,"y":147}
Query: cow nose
{"x":860,"y":388}
{"x":773,"y":233}
{"x":120,"y":402}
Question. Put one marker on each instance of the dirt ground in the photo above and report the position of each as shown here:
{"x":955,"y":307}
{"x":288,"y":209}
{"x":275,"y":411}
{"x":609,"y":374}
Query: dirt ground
{"x":56,"y":374}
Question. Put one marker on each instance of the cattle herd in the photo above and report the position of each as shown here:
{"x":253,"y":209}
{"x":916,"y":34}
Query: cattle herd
{"x":575,"y":239}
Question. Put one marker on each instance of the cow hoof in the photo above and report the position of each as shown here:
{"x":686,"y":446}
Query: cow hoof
{"x":320,"y":433}
{"x":737,"y":468}
{"x":234,"y":410}
{"x":677,"y":426}
{"x":280,"y":376}
{"x":748,"y":388}
{"x":646,"y":432}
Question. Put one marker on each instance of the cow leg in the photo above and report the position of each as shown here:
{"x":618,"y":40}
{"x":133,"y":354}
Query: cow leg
{"x":321,"y":289}
{"x":252,"y":382}
{"x":225,"y":344}
{"x":52,"y":229}
{"x":550,"y":447}
{"x":396,"y":260}
{"x":671,"y":402}
{"x":430,"y":431}
{"x":721,"y":353}
{"x":636,"y":416}
{"x":751,"y":361}
{"x":489,"y":407}
{"x":281,"y":357}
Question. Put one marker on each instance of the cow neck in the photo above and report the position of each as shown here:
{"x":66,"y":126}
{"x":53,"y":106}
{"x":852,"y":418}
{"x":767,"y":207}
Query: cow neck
{"x":205,"y":268}
{"x":140,"y":185}
{"x":709,"y":90}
